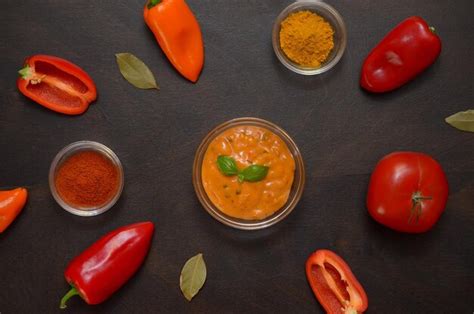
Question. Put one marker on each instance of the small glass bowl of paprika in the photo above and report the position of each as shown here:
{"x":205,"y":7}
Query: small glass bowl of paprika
{"x":302,"y":38}
{"x":86,"y":178}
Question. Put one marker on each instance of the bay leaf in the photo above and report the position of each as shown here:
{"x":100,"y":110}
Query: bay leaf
{"x":135,"y":71}
{"x":193,"y":276}
{"x":463,"y":120}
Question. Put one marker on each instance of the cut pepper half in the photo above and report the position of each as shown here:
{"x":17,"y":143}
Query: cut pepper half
{"x":334,"y":284}
{"x":56,"y":84}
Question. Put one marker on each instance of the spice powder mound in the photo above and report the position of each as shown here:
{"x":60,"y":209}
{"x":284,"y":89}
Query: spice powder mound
{"x":87,"y":179}
{"x":306,"y":38}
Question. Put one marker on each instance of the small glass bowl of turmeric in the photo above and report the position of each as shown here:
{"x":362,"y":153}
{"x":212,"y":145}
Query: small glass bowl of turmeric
{"x":309,"y":37}
{"x":86,"y":178}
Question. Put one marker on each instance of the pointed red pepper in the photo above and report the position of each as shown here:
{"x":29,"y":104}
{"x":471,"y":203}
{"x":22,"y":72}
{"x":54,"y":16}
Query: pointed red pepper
{"x":105,"y":266}
{"x":56,"y":84}
{"x":405,"y":52}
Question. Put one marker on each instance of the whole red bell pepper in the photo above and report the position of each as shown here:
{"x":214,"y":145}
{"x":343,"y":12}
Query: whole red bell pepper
{"x":105,"y":266}
{"x":334,"y":284}
{"x":56,"y":84}
{"x":405,"y":52}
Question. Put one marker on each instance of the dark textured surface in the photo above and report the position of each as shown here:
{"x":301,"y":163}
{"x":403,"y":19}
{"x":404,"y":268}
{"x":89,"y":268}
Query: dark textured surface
{"x":341,"y":131}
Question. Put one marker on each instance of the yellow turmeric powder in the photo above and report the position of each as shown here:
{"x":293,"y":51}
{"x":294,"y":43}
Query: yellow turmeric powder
{"x":306,"y":38}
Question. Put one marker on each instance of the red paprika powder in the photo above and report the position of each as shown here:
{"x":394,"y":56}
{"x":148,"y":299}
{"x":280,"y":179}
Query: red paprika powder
{"x":87,"y":179}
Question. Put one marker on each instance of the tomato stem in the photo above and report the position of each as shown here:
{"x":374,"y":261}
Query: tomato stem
{"x":432,"y":29}
{"x":417,"y":201}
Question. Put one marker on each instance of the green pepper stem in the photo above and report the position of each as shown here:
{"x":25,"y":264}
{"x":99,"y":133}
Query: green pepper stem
{"x":67,"y":296}
{"x":432,"y":29}
{"x":153,"y":3}
{"x":25,"y":72}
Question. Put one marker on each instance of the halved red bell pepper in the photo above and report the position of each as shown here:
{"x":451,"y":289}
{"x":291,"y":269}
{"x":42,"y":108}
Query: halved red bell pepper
{"x":105,"y":266}
{"x":11,"y":204}
{"x":56,"y":84}
{"x":405,"y":52}
{"x":334,"y":284}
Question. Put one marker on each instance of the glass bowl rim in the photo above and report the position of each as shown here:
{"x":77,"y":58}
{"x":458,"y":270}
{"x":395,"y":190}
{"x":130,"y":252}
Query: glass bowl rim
{"x":280,"y":214}
{"x":69,"y":150}
{"x":314,"y":4}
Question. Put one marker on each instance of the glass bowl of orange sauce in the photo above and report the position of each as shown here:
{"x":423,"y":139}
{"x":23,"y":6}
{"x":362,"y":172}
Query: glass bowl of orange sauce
{"x":242,"y":204}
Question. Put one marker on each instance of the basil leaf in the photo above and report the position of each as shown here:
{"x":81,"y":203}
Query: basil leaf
{"x":193,"y":276}
{"x":135,"y":71}
{"x":227,"y":165}
{"x":254,"y":173}
{"x":463,"y":120}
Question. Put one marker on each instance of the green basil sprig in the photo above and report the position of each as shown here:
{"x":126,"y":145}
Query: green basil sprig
{"x":253,"y":173}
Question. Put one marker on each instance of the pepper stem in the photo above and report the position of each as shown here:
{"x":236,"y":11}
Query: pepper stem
{"x":25,"y":72}
{"x":432,"y":29}
{"x":67,"y":296}
{"x":152,"y":3}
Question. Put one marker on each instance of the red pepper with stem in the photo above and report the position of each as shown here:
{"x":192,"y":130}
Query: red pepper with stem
{"x":405,"y":52}
{"x":108,"y":264}
{"x":56,"y":84}
{"x":334,"y":284}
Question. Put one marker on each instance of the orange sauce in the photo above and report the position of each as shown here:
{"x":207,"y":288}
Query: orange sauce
{"x":249,"y":145}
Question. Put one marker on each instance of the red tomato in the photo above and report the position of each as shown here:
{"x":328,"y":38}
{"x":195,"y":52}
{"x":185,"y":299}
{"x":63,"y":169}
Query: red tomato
{"x":407,"y":192}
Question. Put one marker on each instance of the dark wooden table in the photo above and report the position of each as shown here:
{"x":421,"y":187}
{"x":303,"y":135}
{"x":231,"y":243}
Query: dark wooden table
{"x":341,"y":131}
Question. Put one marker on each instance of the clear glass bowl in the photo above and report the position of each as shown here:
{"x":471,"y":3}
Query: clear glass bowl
{"x":295,"y":192}
{"x":72,"y":149}
{"x":331,"y":16}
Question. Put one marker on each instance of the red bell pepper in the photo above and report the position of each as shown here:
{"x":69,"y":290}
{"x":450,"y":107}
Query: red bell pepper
{"x":405,"y":52}
{"x":11,"y":204}
{"x":56,"y":84}
{"x":105,"y":266}
{"x":334,"y":284}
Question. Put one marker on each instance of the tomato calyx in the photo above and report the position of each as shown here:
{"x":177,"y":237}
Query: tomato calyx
{"x":417,"y":206}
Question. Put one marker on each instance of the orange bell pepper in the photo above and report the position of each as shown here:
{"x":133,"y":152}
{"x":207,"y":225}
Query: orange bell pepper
{"x":11,"y":204}
{"x":178,"y":33}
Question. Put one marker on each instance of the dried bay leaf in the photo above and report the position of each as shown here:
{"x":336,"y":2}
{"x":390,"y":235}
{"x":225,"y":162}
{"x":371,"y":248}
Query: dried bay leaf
{"x":463,"y":120}
{"x":193,"y":276}
{"x":135,"y":71}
